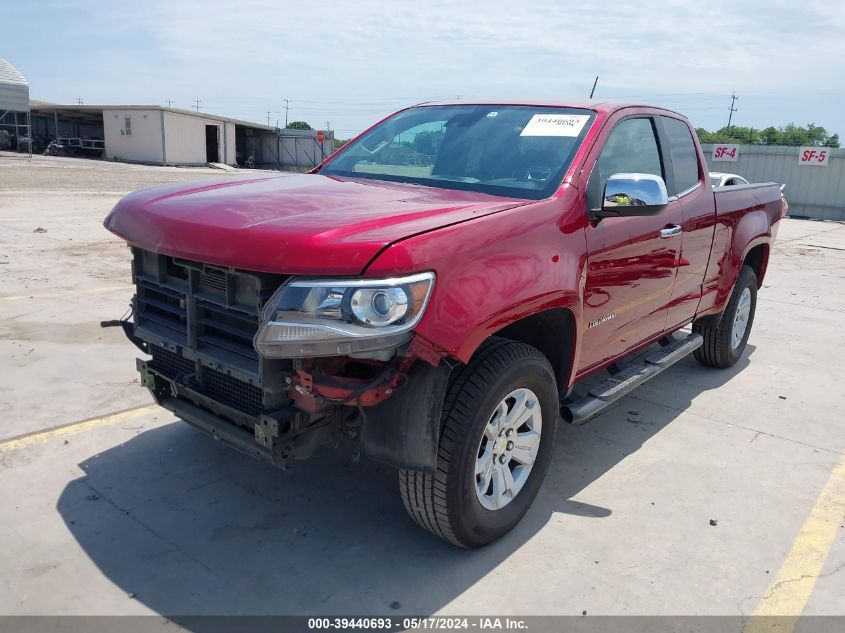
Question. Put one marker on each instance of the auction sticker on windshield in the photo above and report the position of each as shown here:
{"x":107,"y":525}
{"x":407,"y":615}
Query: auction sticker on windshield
{"x":555,"y":125}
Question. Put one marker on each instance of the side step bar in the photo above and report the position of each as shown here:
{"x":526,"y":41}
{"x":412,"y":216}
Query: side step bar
{"x":623,"y":382}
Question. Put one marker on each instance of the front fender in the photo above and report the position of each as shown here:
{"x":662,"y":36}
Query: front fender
{"x":494,"y":270}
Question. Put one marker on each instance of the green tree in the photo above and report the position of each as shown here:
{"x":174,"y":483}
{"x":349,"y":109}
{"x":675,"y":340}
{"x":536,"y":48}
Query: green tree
{"x":704,"y":136}
{"x":770,"y":135}
{"x":740,"y":135}
{"x":790,"y":134}
{"x":298,"y":125}
{"x":816,"y":135}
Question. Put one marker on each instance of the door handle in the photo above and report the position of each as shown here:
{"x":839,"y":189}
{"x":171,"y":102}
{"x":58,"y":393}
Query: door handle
{"x":669,"y":231}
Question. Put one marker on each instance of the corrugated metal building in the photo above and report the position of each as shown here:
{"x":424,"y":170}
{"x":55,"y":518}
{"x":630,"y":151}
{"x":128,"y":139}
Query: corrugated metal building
{"x":288,"y":148}
{"x":813,"y":190}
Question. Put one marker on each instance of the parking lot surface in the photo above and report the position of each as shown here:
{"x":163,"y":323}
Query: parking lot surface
{"x":704,"y":492}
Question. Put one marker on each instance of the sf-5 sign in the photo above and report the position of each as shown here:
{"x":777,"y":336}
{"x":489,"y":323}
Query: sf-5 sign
{"x":813,"y":156}
{"x":726,"y":152}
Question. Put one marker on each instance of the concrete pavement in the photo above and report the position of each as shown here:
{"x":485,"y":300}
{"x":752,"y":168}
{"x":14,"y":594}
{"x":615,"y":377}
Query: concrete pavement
{"x":138,"y":513}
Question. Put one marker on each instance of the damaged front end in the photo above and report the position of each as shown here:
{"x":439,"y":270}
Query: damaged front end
{"x":277,"y":367}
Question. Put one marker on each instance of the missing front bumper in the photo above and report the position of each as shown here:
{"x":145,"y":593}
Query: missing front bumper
{"x":270,"y":437}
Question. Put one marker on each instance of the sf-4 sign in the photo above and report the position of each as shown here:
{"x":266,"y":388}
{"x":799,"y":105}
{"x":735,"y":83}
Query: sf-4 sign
{"x":726,"y":153}
{"x":814,"y":156}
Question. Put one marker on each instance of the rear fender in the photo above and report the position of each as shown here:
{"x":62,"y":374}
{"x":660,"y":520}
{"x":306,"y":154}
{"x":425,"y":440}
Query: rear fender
{"x":752,"y":229}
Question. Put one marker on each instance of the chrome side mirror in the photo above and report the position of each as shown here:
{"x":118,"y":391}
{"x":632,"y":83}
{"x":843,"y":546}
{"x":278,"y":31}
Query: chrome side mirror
{"x":633,"y":194}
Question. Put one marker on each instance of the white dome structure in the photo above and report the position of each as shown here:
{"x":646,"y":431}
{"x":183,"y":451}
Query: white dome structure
{"x":14,"y":89}
{"x":14,"y":103}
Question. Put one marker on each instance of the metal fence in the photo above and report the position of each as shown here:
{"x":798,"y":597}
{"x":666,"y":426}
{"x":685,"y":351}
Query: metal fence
{"x":304,"y":148}
{"x":814,"y":189}
{"x":296,"y":150}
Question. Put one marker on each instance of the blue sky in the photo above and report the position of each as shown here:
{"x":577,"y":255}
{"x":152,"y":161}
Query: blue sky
{"x":351,"y":63}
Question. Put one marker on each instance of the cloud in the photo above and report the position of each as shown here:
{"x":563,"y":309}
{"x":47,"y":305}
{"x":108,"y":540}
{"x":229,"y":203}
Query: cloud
{"x":357,"y":60}
{"x":648,"y":45}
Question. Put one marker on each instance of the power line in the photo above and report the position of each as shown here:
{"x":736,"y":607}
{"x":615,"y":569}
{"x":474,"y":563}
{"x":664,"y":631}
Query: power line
{"x":734,"y":99}
{"x":287,"y":108}
{"x":666,"y":95}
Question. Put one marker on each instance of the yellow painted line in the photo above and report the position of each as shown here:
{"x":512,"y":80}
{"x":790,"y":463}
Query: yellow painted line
{"x":74,"y":428}
{"x":778,"y":611}
{"x":65,"y":293}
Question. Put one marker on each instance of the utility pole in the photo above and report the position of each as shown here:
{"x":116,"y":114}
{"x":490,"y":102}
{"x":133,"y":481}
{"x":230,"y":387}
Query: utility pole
{"x":287,"y":107}
{"x":79,"y":101}
{"x":593,"y":91}
{"x":197,"y":104}
{"x":268,"y":118}
{"x":169,"y":103}
{"x":734,"y":99}
{"x":328,"y":126}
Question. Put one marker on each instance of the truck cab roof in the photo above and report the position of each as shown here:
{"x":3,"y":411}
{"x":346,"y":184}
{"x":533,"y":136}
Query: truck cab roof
{"x":597,"y":105}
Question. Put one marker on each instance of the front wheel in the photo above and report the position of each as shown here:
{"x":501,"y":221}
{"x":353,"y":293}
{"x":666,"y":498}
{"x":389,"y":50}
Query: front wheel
{"x":497,"y":433}
{"x":725,"y":338}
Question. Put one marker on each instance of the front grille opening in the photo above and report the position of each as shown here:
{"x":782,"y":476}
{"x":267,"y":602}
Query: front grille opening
{"x":210,"y":314}
{"x":231,"y":391}
{"x":175,"y":270}
{"x":163,"y":307}
{"x":212,"y":278}
{"x":216,"y":385}
{"x":227,"y":330}
{"x":170,"y":364}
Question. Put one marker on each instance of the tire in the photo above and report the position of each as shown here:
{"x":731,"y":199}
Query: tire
{"x":721,"y":348}
{"x":503,"y":375}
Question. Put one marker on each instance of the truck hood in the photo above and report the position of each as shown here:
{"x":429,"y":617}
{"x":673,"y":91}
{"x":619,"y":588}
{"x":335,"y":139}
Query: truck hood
{"x":293,"y":224}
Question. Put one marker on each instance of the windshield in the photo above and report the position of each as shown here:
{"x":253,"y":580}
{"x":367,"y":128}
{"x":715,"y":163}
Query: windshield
{"x":516,"y":151}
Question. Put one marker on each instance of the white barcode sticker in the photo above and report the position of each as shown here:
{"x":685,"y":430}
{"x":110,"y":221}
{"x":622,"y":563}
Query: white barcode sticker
{"x":555,"y":125}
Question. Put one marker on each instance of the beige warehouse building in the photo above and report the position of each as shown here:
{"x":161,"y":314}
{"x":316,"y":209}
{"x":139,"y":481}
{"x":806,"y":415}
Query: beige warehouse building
{"x":150,"y":133}
{"x":161,"y":135}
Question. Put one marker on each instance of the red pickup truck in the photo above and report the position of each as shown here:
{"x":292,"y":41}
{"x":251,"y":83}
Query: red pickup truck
{"x":438,"y":289}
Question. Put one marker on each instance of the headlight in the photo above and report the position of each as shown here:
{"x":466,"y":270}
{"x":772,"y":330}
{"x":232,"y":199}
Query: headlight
{"x":337,"y":318}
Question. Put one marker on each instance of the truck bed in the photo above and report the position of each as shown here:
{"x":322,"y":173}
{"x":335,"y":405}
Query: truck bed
{"x":741,"y":197}
{"x":747,"y":216}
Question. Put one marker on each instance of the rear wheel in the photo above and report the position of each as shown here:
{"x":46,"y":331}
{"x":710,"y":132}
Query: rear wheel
{"x":497,"y":434}
{"x":725,"y":338}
